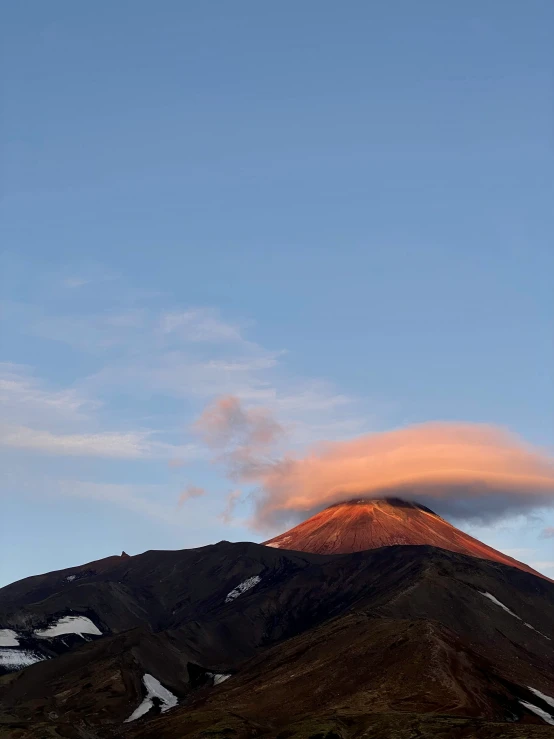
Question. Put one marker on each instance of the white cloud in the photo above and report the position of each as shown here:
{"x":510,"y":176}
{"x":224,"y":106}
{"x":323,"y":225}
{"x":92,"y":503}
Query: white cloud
{"x":193,"y":353}
{"x":25,"y":398}
{"x":160,"y":366}
{"x":107,"y":444}
{"x":57,"y":422}
{"x":199,"y":324}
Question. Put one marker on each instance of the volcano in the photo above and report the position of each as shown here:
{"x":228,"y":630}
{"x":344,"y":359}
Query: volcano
{"x":358,"y":525}
{"x":243,"y":640}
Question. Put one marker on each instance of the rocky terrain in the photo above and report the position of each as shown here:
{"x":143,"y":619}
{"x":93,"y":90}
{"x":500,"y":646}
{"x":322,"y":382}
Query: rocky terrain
{"x":242,"y":640}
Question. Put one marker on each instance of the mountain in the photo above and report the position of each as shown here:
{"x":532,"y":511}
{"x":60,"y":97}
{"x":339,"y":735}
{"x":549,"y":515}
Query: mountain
{"x":357,"y":525}
{"x":242,"y":640}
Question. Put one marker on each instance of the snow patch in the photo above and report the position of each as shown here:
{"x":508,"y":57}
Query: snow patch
{"x":218,"y":677}
{"x":505,"y":608}
{"x":70,"y":578}
{"x":18,"y":658}
{"x":242,"y":588}
{"x":275,"y":545}
{"x":498,"y":603}
{"x":8,"y":638}
{"x":538,"y":632}
{"x":154,"y":689}
{"x":543,"y":714}
{"x":69,"y":625}
{"x":546,"y":698}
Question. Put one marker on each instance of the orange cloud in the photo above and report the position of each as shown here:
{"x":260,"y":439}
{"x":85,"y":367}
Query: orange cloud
{"x":191,"y":491}
{"x":226,"y":423}
{"x":465,"y":470}
{"x":460,"y":470}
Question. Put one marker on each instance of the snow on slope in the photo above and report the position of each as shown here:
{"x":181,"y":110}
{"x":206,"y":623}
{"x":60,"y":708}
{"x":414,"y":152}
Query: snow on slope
{"x":539,"y":712}
{"x":17,"y":659}
{"x":498,"y":603}
{"x":218,"y":677}
{"x":69,"y":625}
{"x":154,"y":689}
{"x":546,"y":698}
{"x":242,"y":588}
{"x":8,"y":638}
{"x":505,"y":608}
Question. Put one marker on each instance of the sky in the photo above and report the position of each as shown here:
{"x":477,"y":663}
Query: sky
{"x":336,"y":219}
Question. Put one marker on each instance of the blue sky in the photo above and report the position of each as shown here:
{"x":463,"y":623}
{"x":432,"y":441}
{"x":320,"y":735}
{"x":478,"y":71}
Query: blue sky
{"x":340,"y":213}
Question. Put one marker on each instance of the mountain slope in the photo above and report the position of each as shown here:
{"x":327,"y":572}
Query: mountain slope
{"x":358,"y":525}
{"x":386,"y":666}
{"x":171,"y":615}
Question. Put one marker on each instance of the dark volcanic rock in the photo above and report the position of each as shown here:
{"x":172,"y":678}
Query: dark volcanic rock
{"x":315,"y":645}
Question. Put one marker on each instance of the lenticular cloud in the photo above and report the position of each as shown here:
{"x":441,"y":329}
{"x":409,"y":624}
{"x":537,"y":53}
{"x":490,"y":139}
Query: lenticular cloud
{"x":465,"y":471}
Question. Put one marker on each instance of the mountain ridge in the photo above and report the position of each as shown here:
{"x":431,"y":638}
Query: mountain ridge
{"x":251,"y":639}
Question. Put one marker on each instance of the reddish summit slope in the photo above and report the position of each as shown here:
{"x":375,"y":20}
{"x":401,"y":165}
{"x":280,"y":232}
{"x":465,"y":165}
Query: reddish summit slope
{"x":358,"y":525}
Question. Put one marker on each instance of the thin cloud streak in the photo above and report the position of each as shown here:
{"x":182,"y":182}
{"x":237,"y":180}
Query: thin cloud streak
{"x":24,"y":396}
{"x":200,"y":324}
{"x":108,"y":444}
{"x":141,"y":499}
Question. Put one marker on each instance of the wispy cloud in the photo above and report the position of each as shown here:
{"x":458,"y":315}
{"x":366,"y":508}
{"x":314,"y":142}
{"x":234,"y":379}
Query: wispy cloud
{"x":226,"y":422}
{"x":141,"y":499}
{"x":42,"y":419}
{"x":548,"y":532}
{"x":142,"y":373}
{"x":92,"y":274}
{"x":75,"y":282}
{"x":231,"y":502}
{"x":470,"y":471}
{"x":199,"y":324}
{"x":107,"y":444}
{"x":192,"y":353}
{"x":191,"y":491}
{"x":24,"y":396}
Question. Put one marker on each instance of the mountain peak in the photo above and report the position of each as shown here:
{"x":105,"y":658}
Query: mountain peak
{"x":384,"y":503}
{"x":360,"y":524}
